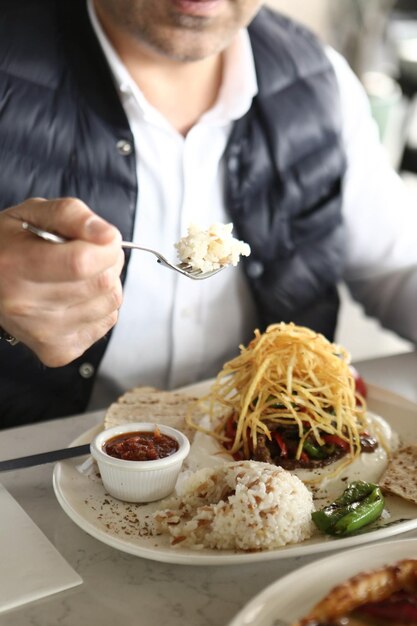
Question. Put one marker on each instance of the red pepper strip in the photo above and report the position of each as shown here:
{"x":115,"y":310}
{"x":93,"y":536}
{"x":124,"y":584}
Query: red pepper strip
{"x":281,"y":444}
{"x":230,"y":428}
{"x":337,"y":441}
{"x":360,"y":385}
{"x":230,"y":432}
{"x":304,"y":457}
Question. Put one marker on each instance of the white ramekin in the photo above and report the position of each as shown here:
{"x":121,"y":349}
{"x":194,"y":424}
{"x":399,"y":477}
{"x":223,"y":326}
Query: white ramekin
{"x":139,"y":481}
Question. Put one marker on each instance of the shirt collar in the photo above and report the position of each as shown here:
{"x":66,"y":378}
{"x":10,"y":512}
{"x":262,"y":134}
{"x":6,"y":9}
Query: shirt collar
{"x":239,"y":85}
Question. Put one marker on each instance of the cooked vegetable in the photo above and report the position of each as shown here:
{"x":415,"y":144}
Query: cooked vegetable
{"x":360,"y":504}
{"x":314,"y":451}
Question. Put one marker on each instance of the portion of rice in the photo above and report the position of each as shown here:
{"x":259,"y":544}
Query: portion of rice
{"x":210,"y":249}
{"x":243,"y":505}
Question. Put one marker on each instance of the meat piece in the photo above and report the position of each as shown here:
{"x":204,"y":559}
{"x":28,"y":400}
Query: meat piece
{"x":262,"y":452}
{"x":366,"y":587}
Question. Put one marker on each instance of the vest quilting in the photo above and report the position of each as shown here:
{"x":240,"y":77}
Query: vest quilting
{"x":61,"y":124}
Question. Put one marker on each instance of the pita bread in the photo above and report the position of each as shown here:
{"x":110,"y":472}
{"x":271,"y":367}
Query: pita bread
{"x":400,"y":477}
{"x":148,"y":404}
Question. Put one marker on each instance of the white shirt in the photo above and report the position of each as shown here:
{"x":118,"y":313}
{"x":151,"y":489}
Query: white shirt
{"x":172,"y":331}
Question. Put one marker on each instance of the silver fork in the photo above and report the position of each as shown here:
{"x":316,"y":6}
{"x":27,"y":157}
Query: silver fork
{"x":183,"y":268}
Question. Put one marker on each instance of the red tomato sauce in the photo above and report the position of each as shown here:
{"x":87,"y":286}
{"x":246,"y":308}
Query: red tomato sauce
{"x":141,"y":446}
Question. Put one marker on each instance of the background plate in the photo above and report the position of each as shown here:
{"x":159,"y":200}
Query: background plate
{"x":291,"y":597}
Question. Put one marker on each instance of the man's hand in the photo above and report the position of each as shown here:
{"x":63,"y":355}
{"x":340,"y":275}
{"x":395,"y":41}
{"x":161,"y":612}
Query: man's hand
{"x":59,"y":299}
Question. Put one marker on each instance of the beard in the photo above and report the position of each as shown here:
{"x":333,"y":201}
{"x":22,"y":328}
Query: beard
{"x":179,"y":36}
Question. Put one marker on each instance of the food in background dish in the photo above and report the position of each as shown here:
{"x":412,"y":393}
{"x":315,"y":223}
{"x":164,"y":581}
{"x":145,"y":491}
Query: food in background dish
{"x":239,"y":506}
{"x":383,"y":597}
{"x":212,"y":248}
{"x":400,"y":477}
{"x":289,"y":399}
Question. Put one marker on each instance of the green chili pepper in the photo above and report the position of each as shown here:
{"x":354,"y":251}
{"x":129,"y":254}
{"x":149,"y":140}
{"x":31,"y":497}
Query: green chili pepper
{"x":366,"y":512}
{"x":355,"y":492}
{"x":314,"y":451}
{"x":360,"y":504}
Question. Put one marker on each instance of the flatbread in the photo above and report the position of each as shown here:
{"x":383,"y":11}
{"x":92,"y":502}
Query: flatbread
{"x":148,"y":404}
{"x":400,"y":477}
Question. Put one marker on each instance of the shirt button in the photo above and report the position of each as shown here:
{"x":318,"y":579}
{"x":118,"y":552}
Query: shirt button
{"x":233,"y":164}
{"x":86,"y":370}
{"x":124,"y":88}
{"x":124,"y":147}
{"x":255,"y":269}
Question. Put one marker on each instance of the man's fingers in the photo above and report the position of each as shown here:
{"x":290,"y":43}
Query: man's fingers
{"x":36,"y":260}
{"x":58,"y":335}
{"x":38,"y":300}
{"x":76,"y":260}
{"x":59,"y":298}
{"x":69,"y":217}
{"x":57,"y":351}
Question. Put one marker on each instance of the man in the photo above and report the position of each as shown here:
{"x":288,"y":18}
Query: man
{"x":152,"y":115}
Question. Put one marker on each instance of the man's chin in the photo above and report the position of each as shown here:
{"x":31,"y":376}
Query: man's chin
{"x":183,"y":49}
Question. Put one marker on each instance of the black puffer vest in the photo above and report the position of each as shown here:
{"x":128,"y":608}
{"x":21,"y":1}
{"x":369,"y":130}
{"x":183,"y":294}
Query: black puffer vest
{"x":63,"y":132}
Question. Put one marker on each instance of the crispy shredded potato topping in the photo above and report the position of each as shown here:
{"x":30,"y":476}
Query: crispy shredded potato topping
{"x":287,"y":375}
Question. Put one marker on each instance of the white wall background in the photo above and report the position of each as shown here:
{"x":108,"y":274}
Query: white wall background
{"x":310,"y":12}
{"x":363,"y":337}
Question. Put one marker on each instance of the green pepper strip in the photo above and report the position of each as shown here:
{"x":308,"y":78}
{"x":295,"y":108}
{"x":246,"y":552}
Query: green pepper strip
{"x":360,"y":504}
{"x":313,"y":451}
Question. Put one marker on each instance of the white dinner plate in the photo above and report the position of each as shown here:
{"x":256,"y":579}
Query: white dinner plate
{"x":291,"y":597}
{"x":115,"y":523}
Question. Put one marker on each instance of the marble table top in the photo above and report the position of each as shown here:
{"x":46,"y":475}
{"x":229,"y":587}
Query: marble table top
{"x":122,"y":589}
